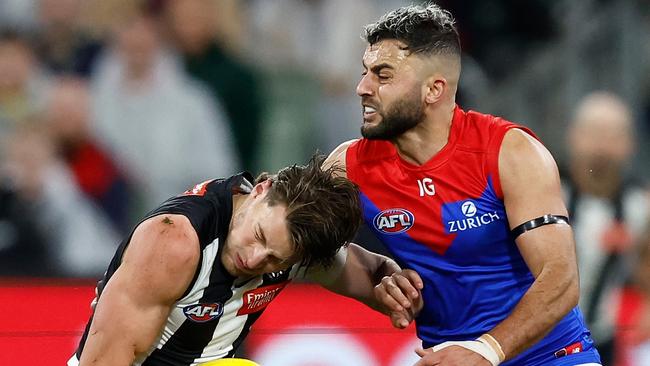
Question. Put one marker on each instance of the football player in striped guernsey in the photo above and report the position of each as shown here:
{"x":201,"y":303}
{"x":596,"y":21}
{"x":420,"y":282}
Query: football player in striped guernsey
{"x":185,"y":287}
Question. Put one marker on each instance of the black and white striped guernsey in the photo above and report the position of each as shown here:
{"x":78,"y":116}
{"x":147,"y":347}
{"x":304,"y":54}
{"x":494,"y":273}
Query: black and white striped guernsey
{"x":216,"y":312}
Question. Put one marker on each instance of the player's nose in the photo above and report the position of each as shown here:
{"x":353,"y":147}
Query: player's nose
{"x":364,"y":87}
{"x":257,"y":259}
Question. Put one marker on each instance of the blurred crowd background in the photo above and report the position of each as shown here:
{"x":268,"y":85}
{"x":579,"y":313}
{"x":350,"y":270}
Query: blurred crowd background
{"x":108,"y":107}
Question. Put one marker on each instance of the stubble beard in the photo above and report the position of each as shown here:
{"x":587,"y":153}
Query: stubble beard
{"x":399,"y":117}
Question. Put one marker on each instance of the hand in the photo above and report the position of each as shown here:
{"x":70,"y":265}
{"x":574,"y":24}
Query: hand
{"x":400,"y":294}
{"x":450,"y":356}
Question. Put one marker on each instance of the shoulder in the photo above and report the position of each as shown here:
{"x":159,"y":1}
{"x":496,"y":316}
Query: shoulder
{"x":338,"y":156}
{"x":520,"y":147}
{"x":158,"y":264}
{"x":528,"y":172}
{"x":480,"y":130}
{"x":164,"y":246}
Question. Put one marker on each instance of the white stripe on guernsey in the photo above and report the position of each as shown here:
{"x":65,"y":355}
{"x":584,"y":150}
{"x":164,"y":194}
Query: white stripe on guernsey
{"x":230,"y":325}
{"x":177,"y":317}
{"x":73,"y":361}
{"x":589,"y":364}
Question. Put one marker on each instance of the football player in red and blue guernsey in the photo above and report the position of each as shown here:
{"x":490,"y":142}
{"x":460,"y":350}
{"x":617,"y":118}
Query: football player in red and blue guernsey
{"x":470,"y":203}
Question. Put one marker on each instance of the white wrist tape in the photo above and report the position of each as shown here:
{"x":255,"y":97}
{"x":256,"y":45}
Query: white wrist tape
{"x":480,"y":346}
{"x":490,"y":341}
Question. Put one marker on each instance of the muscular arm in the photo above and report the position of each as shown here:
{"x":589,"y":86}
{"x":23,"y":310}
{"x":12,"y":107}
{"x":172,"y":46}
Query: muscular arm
{"x":362,"y":271}
{"x":156,"y":269}
{"x":375,"y":280}
{"x":531,"y":188}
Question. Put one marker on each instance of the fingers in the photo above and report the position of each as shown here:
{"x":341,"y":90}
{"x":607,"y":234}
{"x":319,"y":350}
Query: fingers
{"x":428,"y":358}
{"x":391,"y":295}
{"x":399,"y":292}
{"x":405,"y":287}
{"x":400,"y":320}
{"x":384,"y":293}
{"x":414,"y":278}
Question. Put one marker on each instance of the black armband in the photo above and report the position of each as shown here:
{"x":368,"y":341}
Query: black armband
{"x":535,"y":223}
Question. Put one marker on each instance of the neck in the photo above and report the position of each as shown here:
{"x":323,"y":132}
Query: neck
{"x":424,"y":141}
{"x":237,"y":202}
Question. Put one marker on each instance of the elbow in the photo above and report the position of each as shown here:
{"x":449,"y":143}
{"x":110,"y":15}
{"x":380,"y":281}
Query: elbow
{"x":573,"y":293}
{"x":565,"y":287}
{"x":570,"y":296}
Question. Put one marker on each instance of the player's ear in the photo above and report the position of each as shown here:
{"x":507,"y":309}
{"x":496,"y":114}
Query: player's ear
{"x":261,"y":187}
{"x":434,"y":88}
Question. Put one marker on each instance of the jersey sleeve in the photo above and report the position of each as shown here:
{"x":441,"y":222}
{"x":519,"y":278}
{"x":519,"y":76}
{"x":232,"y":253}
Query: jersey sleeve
{"x":200,"y":205}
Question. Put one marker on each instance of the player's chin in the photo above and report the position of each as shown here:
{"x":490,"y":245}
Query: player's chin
{"x":370,"y":128}
{"x":371,"y":119}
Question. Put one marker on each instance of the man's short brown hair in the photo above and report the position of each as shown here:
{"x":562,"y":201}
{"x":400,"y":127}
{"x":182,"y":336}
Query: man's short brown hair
{"x":323,"y":209}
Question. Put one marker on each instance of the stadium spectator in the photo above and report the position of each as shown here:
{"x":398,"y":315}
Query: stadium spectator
{"x":163,"y":128}
{"x":23,"y":240}
{"x":67,"y":119}
{"x":78,"y":238}
{"x":232,"y":82}
{"x":61,"y":44}
{"x":23,"y":85}
{"x":608,"y":208}
{"x":633,"y":333}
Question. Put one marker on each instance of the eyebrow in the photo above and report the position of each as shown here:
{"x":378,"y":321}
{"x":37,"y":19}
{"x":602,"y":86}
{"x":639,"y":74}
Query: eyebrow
{"x":377,"y":68}
{"x":260,"y":233}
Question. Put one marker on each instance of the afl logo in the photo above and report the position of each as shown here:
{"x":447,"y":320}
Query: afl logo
{"x":468,"y":208}
{"x":393,"y":221}
{"x":201,"y":313}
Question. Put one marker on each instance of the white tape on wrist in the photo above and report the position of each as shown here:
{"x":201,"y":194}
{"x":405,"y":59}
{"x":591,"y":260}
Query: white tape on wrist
{"x":477,"y":346}
{"x":490,"y":341}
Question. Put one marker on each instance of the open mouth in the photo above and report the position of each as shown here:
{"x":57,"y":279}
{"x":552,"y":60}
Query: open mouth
{"x":369,"y":112}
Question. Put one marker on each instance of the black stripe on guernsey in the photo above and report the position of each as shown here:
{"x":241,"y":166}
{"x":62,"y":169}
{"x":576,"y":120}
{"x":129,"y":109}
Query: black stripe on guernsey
{"x":195,"y":336}
{"x":267,"y":280}
{"x":82,"y":342}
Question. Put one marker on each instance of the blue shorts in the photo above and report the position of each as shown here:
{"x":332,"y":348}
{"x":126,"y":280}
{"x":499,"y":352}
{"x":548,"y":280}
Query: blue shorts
{"x":585,"y":358}
{"x":580,"y":353}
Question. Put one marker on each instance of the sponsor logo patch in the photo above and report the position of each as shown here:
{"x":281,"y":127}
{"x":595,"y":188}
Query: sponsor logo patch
{"x":468,"y":208}
{"x":198,"y":190}
{"x":257,"y":299}
{"x":201,"y":313}
{"x":393,"y":221}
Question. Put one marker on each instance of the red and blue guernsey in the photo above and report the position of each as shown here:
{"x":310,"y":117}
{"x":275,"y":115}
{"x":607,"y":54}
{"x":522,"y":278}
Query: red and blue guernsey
{"x":447,"y":221}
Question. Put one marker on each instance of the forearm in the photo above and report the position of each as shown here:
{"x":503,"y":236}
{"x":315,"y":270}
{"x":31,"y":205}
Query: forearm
{"x":109,"y":340}
{"x":123,"y":328}
{"x":553,"y":294}
{"x":101,"y":349}
{"x":363,"y":270}
{"x":116,"y":340}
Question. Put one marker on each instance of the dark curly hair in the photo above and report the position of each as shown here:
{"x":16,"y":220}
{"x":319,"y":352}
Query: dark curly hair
{"x":323,"y":209}
{"x":425,"y":29}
